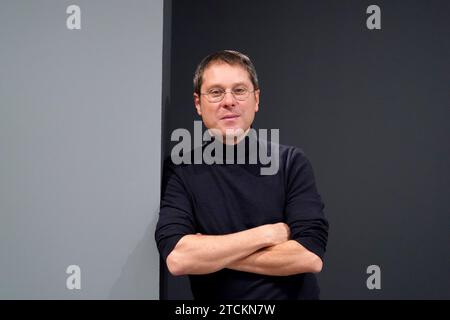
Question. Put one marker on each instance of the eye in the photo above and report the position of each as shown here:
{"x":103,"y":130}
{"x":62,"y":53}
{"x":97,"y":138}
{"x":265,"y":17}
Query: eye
{"x":215,"y":92}
{"x":240,"y":91}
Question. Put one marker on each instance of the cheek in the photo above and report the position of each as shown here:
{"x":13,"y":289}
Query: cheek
{"x":210,"y":112}
{"x":248,"y":111}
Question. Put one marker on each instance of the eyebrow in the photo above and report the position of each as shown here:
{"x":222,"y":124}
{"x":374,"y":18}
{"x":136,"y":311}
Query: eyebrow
{"x":220,"y":86}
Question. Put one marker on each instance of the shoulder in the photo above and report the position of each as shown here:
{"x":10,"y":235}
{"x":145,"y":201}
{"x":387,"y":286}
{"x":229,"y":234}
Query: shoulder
{"x":292,"y":152}
{"x":171,"y":168}
{"x":295,"y":165}
{"x":182,"y":164}
{"x":289,"y":155}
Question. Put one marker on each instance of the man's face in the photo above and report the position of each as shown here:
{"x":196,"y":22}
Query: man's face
{"x":229,"y":114}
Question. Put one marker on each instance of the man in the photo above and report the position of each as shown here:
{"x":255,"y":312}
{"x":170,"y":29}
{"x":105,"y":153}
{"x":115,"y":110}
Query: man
{"x":236,"y":233}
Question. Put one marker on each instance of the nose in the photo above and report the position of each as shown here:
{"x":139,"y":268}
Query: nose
{"x":228,"y":99}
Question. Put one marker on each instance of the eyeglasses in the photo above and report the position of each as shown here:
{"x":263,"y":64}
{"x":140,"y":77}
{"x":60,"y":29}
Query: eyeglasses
{"x":217,"y":94}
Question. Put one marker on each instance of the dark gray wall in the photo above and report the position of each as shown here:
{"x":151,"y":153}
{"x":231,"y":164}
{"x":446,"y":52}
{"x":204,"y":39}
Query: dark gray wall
{"x":80,"y":124}
{"x":369,"y":108}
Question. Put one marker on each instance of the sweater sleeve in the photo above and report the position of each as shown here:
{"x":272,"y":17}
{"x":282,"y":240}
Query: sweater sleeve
{"x":304,"y":206}
{"x":176,"y":218}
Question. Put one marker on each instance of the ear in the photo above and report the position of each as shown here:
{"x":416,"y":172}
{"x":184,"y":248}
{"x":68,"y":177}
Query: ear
{"x":257,"y":92}
{"x":197,"y":104}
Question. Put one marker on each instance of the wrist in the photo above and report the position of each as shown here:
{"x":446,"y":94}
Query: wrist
{"x":266,"y":236}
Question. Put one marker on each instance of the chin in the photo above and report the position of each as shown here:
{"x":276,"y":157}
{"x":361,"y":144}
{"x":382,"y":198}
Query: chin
{"x":232,"y":131}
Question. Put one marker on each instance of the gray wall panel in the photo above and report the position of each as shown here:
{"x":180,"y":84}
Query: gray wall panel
{"x":80,"y":132}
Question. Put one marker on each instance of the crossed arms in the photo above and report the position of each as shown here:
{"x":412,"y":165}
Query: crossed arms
{"x":264,"y":250}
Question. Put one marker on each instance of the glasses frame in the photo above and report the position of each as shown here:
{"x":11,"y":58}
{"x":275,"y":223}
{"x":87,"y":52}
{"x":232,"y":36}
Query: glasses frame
{"x":224,"y":92}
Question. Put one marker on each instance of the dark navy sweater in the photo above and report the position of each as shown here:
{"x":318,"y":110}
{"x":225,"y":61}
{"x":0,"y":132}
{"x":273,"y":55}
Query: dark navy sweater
{"x":220,"y":199}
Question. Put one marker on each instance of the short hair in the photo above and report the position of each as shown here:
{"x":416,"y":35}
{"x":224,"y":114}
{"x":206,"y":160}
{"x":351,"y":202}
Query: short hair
{"x":227,"y":56}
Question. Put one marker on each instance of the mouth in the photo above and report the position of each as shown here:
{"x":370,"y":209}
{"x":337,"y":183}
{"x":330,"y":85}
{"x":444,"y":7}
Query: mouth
{"x":230,"y":116}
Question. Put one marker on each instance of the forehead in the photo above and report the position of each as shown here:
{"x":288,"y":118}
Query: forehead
{"x":223,"y":74}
